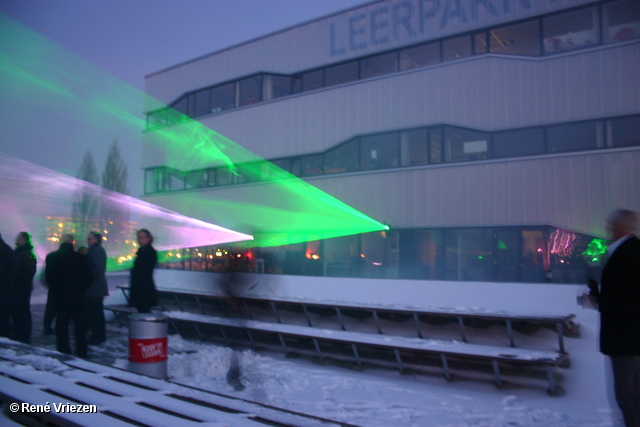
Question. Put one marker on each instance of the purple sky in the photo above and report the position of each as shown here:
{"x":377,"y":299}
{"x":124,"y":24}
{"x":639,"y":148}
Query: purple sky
{"x":133,"y":38}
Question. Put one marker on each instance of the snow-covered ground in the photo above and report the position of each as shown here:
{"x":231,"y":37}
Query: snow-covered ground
{"x":373,"y":396}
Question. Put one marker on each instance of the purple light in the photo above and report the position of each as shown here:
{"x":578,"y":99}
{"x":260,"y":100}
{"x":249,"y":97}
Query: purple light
{"x":38,"y":200}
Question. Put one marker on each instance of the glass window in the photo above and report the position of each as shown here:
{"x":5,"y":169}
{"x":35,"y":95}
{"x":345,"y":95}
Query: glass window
{"x":203,"y":103}
{"x":480,"y":44}
{"x":515,"y":143}
{"x":431,"y":254}
{"x":296,"y":167}
{"x":621,"y":21}
{"x":380,"y":151}
{"x":278,"y":86}
{"x":435,"y":145}
{"x":151,"y":181}
{"x":192,"y":105}
{"x":197,"y":179}
{"x":312,"y":80}
{"x":456,"y":48}
{"x":224,"y":176}
{"x":468,"y":255}
{"x":572,"y":137}
{"x":420,"y":56}
{"x":296,"y":84}
{"x":211,"y":173}
{"x":465,"y":144}
{"x":521,"y":39}
{"x":625,"y":132}
{"x":570,"y":30}
{"x":175,"y":117}
{"x":181,"y":105}
{"x":341,"y":256}
{"x":248,"y":172}
{"x":533,"y":251}
{"x":223,"y":97}
{"x":342,"y":73}
{"x":278,"y":169}
{"x":312,"y":165}
{"x":173,"y":180}
{"x":250,"y":90}
{"x":372,"y":254}
{"x":157,"y":119}
{"x":343,"y":158}
{"x":379,"y":65}
{"x":414,"y":147}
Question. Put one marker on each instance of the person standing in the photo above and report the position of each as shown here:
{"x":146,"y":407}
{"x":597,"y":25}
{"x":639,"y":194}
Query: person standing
{"x":7,"y":266}
{"x":25,"y":270}
{"x":94,"y":309}
{"x":619,"y":305}
{"x":143,"y":290}
{"x":68,"y":275}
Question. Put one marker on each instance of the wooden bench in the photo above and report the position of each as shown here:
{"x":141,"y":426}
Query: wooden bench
{"x":442,"y":349}
{"x":122,"y":398}
{"x":556,"y":322}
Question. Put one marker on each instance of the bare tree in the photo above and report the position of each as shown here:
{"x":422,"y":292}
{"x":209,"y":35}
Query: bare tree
{"x":114,"y":178}
{"x":85,"y":204}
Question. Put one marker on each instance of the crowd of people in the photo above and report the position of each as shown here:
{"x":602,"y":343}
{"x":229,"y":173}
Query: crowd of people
{"x":77,"y":284}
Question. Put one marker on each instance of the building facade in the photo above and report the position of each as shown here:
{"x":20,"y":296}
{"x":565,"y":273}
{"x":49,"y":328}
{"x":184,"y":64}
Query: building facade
{"x":493,"y":137}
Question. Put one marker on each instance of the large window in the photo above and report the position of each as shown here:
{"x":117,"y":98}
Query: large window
{"x":380,"y":151}
{"x":277,"y":86}
{"x":203,"y":102}
{"x":621,"y":21}
{"x":465,"y":144}
{"x":343,"y":159}
{"x":420,"y":56}
{"x":570,"y":30}
{"x":342,"y":73}
{"x":572,"y":137}
{"x":312,"y":80}
{"x":312,"y":165}
{"x":197,"y":179}
{"x":414,"y":147}
{"x":223,"y":97}
{"x":516,"y":143}
{"x":457,"y":48}
{"x":521,"y":39}
{"x":379,"y":65}
{"x":625,"y":131}
{"x":250,"y":90}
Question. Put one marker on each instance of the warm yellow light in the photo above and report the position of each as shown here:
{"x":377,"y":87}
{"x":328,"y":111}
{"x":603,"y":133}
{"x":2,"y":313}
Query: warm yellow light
{"x":199,"y":254}
{"x":60,"y":225}
{"x":170,"y":254}
{"x":210,"y":256}
{"x":239,"y":255}
{"x":218,"y":253}
{"x":105,"y":232}
{"x":315,"y":256}
{"x":179,"y":256}
{"x":104,"y":238}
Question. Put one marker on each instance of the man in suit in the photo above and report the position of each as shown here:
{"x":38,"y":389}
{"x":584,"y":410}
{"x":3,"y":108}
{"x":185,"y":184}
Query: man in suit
{"x":619,"y":306}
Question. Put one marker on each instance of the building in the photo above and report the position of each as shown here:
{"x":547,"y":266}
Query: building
{"x":493,"y":136}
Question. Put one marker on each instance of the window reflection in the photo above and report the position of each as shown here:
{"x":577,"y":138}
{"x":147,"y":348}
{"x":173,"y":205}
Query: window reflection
{"x":621,"y":21}
{"x":197,"y":179}
{"x":570,"y":30}
{"x":420,"y":56}
{"x":223,"y":97}
{"x":379,"y":65}
{"x":414,"y":147}
{"x":380,"y":151}
{"x":203,"y":102}
{"x":312,"y":165}
{"x":343,"y":159}
{"x":312,"y":80}
{"x":342,"y":74}
{"x":456,"y":48}
{"x":465,"y":144}
{"x":521,"y":39}
{"x":250,"y":90}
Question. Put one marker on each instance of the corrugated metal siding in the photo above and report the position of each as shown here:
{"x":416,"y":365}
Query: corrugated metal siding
{"x":488,"y":92}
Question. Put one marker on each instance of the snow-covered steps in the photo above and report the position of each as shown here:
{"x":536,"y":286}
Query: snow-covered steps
{"x":445,"y":350}
{"x":63,"y":385}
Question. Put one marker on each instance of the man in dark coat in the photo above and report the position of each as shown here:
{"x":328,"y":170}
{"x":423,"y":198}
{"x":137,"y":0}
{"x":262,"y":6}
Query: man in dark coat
{"x":69,"y":275}
{"x":7,"y":266}
{"x":26,"y":260}
{"x":619,"y":306}
{"x":143,"y":289}
{"x":94,"y":309}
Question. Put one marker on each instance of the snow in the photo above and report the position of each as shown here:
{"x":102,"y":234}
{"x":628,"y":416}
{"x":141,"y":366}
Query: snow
{"x":372,"y":396}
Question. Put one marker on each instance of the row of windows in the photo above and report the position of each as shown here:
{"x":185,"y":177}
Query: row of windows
{"x":619,"y":20}
{"x":414,"y":147}
{"x":503,"y":254}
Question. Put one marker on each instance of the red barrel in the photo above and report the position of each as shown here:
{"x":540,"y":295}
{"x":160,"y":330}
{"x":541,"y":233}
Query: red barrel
{"x":148,"y":344}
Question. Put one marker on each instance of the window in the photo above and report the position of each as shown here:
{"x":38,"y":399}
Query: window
{"x":625,"y":132}
{"x":197,"y":179}
{"x":435,"y":145}
{"x":465,"y":144}
{"x":223,"y":97}
{"x":312,"y":165}
{"x":296,"y":167}
{"x":380,"y":151}
{"x":343,"y":159}
{"x":420,"y":56}
{"x":277,"y":86}
{"x":514,"y":143}
{"x":203,"y":103}
{"x":415,"y":148}
{"x":572,"y":137}
{"x":468,"y":255}
{"x":173,"y":180}
{"x":456,"y":48}
{"x":379,"y":65}
{"x":570,"y":30}
{"x":157,"y":119}
{"x":480,"y":44}
{"x":191,"y":102}
{"x":621,"y":21}
{"x":250,"y":90}
{"x":296,"y":84}
{"x":342,"y":74}
{"x":521,"y":39}
{"x":312,"y":80}
{"x":151,"y":181}
{"x":211,"y":173}
{"x":181,"y":105}
{"x":224,"y":176}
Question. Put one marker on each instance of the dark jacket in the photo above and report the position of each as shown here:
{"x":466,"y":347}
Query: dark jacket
{"x":68,"y":275}
{"x":143,"y":289}
{"x":7,"y":267}
{"x":97,"y":258}
{"x":619,"y":301}
{"x":26,"y":260}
